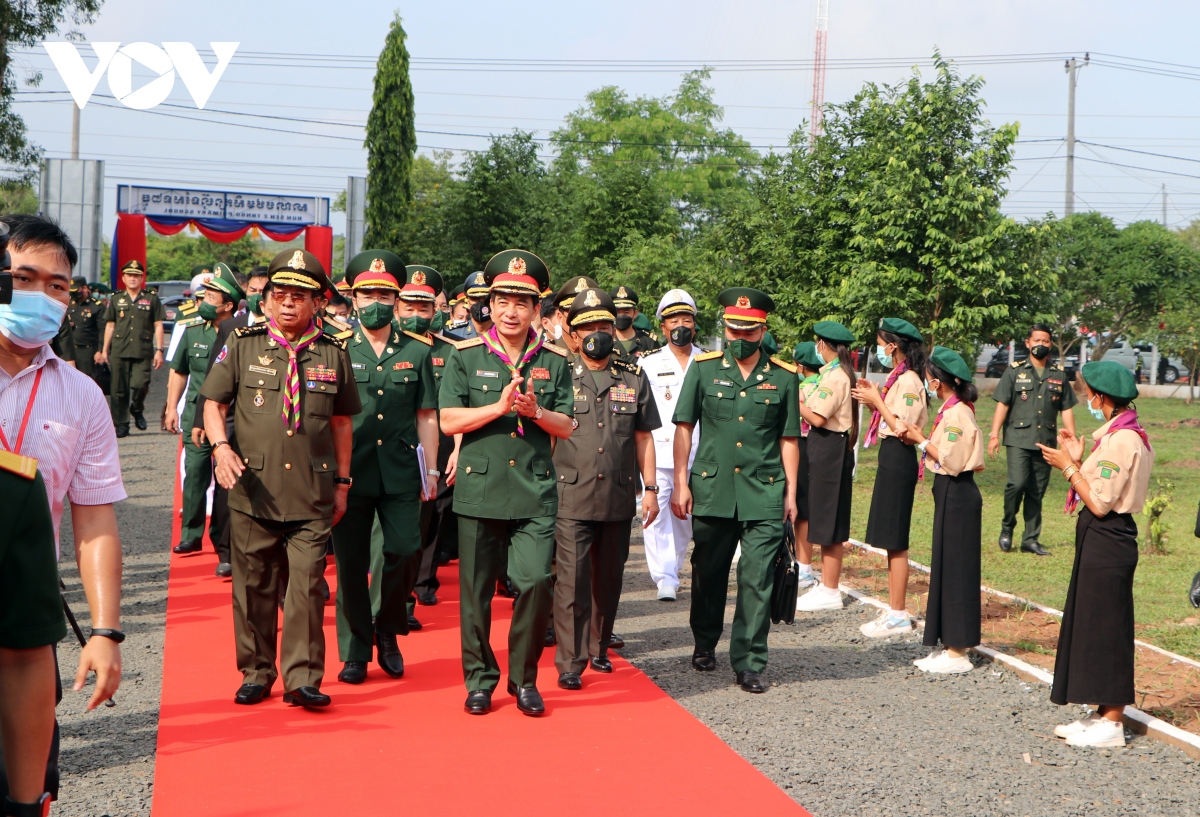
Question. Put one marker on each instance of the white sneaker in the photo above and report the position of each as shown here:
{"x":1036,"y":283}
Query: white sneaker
{"x":1066,"y":730}
{"x":807,"y":580}
{"x":885,"y":625}
{"x":667,"y":593}
{"x":935,"y":653}
{"x":1102,"y":734}
{"x":947,"y":664}
{"x":819,"y":598}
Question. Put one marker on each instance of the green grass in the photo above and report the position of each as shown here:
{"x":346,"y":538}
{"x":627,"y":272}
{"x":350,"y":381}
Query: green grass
{"x":1161,"y":583}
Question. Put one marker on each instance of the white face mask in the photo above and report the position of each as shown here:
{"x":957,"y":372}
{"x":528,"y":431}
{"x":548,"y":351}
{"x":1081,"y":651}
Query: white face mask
{"x":556,"y":330}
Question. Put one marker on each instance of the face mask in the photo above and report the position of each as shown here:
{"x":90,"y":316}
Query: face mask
{"x":375,"y":315}
{"x":254,"y":303}
{"x":416,"y":324}
{"x":598,"y":345}
{"x":623,"y":322}
{"x":682,"y":336}
{"x":1098,"y":413}
{"x":32,"y":319}
{"x":556,"y":331}
{"x":481,"y":312}
{"x":1040,"y":352}
{"x":439,"y":320}
{"x":884,"y":360}
{"x":207,"y":311}
{"x":930,"y":390}
{"x":742,"y":349}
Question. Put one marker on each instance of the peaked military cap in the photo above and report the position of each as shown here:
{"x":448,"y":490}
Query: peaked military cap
{"x":833,"y":331}
{"x":901,"y":327}
{"x":77,"y":282}
{"x":299,"y":268}
{"x":806,"y":355}
{"x":517,"y":272}
{"x":745,"y":308}
{"x":421,"y":283}
{"x":567,"y":292}
{"x":1111,"y":378}
{"x":951,"y":362}
{"x":457,"y":294}
{"x":342,"y":285}
{"x":675,"y":302}
{"x":624,"y":297}
{"x":591,"y":305}
{"x":222,"y":278}
{"x":476,"y":285}
{"x":375,"y":269}
{"x":133,"y":267}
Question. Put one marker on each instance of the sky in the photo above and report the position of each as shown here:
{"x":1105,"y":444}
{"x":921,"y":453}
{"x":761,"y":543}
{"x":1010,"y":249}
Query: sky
{"x":1119,"y":111}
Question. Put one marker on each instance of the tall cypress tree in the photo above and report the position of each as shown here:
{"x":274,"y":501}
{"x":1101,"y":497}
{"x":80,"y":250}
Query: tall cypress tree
{"x":391,"y":143}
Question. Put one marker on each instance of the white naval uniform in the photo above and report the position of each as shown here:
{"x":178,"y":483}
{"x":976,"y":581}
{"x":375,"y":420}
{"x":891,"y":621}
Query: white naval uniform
{"x":667,"y":536}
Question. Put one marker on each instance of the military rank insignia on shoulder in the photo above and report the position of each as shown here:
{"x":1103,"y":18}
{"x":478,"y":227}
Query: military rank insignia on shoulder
{"x":710,"y":355}
{"x":246,"y":331}
{"x":468,"y":343}
{"x":550,"y":347}
{"x":627,"y":366}
{"x":426,"y":340}
{"x":784,"y":365}
{"x":337,"y":340}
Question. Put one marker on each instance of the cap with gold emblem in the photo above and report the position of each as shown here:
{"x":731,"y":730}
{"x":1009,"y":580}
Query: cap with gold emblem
{"x":457,"y":295}
{"x":298,"y":268}
{"x":421,"y":283}
{"x":133,"y":267}
{"x":745,"y":308}
{"x":624,"y":297}
{"x":342,"y":285}
{"x":199,"y":282}
{"x":567,"y":292}
{"x":591,"y":305}
{"x":375,"y":269}
{"x":675,"y":302}
{"x":78,"y":283}
{"x":516,"y":272}
{"x":223,"y":279}
{"x":476,"y":285}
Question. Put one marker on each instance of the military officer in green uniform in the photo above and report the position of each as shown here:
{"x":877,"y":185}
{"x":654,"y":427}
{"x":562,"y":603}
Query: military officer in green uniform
{"x":189,"y":367}
{"x":287,"y":470}
{"x":631,"y":342}
{"x":509,"y":394}
{"x":598,"y":468}
{"x":1029,"y":397}
{"x":86,"y":316}
{"x":133,"y":343}
{"x":742,"y":484}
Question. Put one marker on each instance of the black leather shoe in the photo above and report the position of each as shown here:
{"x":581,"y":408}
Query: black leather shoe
{"x":704,"y":660}
{"x":551,"y":639}
{"x":324,"y":586}
{"x":1006,"y":540}
{"x":426,"y":598}
{"x":139,"y":419}
{"x":224,"y":570}
{"x":388,"y":655}
{"x":122,"y":431}
{"x":751,"y":681}
{"x":601,"y":664}
{"x":354,"y":672}
{"x":529,"y":700}
{"x":1035,"y":548}
{"x":479,"y":702}
{"x":413,"y":624}
{"x":507,"y":589}
{"x":307,"y":697}
{"x":570,"y":680}
{"x":1194,"y":593}
{"x":188,"y":547}
{"x":250,"y":694}
{"x":615,"y":642}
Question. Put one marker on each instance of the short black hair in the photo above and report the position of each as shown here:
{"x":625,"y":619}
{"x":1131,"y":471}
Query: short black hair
{"x":1039,"y":327}
{"x":548,"y":308}
{"x":339,"y":299}
{"x":34,"y":231}
{"x":258,"y":272}
{"x":240,"y":277}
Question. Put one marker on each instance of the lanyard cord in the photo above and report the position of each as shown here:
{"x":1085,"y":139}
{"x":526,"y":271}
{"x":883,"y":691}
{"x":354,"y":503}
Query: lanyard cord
{"x":24,"y":420}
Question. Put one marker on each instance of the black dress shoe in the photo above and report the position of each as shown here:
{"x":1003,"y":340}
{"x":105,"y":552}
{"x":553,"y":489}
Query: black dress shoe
{"x":751,"y":681}
{"x":1006,"y":540}
{"x":307,"y":697}
{"x":601,"y":664}
{"x":413,"y":624}
{"x":250,"y":694}
{"x":1194,"y":593}
{"x":615,"y":642}
{"x":479,"y":702}
{"x":324,"y":587}
{"x":551,"y":639}
{"x":139,"y":419}
{"x":529,"y":700}
{"x":704,"y":660}
{"x":388,"y":655}
{"x":570,"y":680}
{"x":1035,"y":548}
{"x":224,"y":570}
{"x":354,"y":672}
{"x":122,"y":431}
{"x":188,"y":547}
{"x":426,"y":598}
{"x":507,"y":589}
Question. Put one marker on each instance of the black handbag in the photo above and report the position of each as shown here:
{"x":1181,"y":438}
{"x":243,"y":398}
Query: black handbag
{"x":103,"y":377}
{"x":786,"y":588}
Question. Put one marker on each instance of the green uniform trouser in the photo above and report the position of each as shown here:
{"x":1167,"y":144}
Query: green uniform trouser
{"x":716,"y":540}
{"x":130,"y":382}
{"x":85,"y":359}
{"x":197,"y":475}
{"x":1028,"y":476}
{"x":398,"y":516}
{"x":261,"y":550}
{"x":486,"y":549}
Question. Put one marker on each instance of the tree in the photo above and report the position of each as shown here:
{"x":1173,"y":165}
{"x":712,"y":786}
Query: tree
{"x":428,"y":235}
{"x":26,"y":24}
{"x":1179,"y":330}
{"x":391,"y":142}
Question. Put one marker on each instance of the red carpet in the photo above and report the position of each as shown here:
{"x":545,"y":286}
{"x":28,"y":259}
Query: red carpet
{"x":620,"y":746}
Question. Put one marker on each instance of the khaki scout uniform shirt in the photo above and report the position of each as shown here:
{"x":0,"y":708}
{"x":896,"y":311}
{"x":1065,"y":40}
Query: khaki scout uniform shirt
{"x":133,"y":336}
{"x":597,"y":465}
{"x":85,"y":319}
{"x":958,"y":441}
{"x":831,"y":398}
{"x":502,"y":474}
{"x":906,"y":400}
{"x":191,"y":361}
{"x":392,"y":388}
{"x":738,"y":470}
{"x":1118,"y":471}
{"x":289,"y":475}
{"x":1034,"y":401}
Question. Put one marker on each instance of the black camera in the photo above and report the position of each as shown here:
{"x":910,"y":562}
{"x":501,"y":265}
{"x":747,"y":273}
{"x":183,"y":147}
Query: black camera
{"x":6,"y":285}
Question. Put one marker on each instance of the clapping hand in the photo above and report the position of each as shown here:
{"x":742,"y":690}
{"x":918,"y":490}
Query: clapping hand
{"x":868,"y":393}
{"x":526,"y":403}
{"x":510,"y":395}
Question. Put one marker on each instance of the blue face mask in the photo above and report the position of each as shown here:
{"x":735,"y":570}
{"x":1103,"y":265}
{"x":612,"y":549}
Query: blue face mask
{"x":930,"y":390}
{"x":1098,"y":413}
{"x":884,"y":360}
{"x":32,"y":319}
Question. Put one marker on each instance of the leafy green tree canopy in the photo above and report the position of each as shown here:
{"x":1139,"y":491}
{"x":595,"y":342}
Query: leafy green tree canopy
{"x":391,"y":142}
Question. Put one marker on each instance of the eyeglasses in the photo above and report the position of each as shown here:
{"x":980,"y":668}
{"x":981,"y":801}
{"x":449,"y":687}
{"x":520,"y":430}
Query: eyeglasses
{"x":281,"y":297}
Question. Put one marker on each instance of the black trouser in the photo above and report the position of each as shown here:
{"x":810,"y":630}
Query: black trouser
{"x":220,"y":522}
{"x":1028,"y":477}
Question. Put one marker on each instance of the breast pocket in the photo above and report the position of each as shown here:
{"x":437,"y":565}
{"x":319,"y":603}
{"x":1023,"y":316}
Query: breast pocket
{"x":403,"y":391}
{"x":718,"y":402}
{"x":261,"y":392}
{"x":1023,"y":393}
{"x":765,"y":411}
{"x":623,"y":415}
{"x":485,"y":390}
{"x":471,"y":480}
{"x":319,"y":400}
{"x":362,"y":375}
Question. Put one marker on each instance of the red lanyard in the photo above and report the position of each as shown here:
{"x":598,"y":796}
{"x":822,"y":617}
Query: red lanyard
{"x":24,"y":420}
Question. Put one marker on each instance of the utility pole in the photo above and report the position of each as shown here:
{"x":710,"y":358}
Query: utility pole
{"x":74,"y":130}
{"x":1164,"y":203}
{"x":1071,"y":68}
{"x":818,"y":93}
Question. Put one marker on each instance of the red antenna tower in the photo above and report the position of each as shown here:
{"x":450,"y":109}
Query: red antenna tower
{"x":818,"y":93}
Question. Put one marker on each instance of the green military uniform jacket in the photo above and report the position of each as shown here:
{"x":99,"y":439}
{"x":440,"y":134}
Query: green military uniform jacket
{"x":738,"y":470}
{"x":439,"y":355}
{"x":133,"y":336}
{"x":86,"y":322}
{"x":640,"y":344}
{"x":502,"y":474}
{"x":1034,"y":402}
{"x":191,"y":361}
{"x":392,"y":388}
{"x":289,"y":476}
{"x":597,"y":465}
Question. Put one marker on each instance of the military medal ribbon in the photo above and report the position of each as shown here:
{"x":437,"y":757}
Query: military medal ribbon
{"x":1126,"y":419}
{"x":291,"y":392}
{"x":872,"y":434}
{"x":533,"y":345}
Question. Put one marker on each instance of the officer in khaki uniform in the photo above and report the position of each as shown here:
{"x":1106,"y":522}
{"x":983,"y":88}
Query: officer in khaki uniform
{"x":133,"y":342}
{"x":1030,"y":396}
{"x":631,"y":342}
{"x":508,"y":393}
{"x":598,"y":468}
{"x":742,"y":484}
{"x":86,"y":322}
{"x":394,"y":376}
{"x":287,"y":469}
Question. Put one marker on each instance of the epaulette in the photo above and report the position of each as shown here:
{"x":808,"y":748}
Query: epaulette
{"x":443,"y":338}
{"x":244,"y":331}
{"x":791,"y":367}
{"x":21,"y":466}
{"x":189,"y":307}
{"x":468,"y":343}
{"x":426,"y":340}
{"x":195,"y":320}
{"x":336,"y":340}
{"x":710,"y":355}
{"x":455,"y":325}
{"x":626,"y":365}
{"x":345,"y":334}
{"x":550,"y":347}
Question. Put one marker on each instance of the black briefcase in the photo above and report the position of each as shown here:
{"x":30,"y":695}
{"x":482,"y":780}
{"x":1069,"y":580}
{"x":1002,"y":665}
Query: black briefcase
{"x":787,"y":579}
{"x":102,"y":374}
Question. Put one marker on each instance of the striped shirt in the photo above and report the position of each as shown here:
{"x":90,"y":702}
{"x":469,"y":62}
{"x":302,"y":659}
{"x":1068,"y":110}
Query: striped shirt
{"x":70,"y":432}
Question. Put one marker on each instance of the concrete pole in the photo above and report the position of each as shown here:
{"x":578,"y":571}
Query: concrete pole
{"x":74,"y":130}
{"x":1069,"y":205}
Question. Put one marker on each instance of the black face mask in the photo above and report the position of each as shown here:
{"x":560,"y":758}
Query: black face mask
{"x":1040,"y":352}
{"x":682,"y":336}
{"x":481,"y":312}
{"x":598,"y":345}
{"x":623,"y":322}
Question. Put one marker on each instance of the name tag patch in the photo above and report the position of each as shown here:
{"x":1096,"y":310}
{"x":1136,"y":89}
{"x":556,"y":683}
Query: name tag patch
{"x":264,"y":370}
{"x":540,"y":374}
{"x":622,"y":394}
{"x":486,"y":373}
{"x":722,"y":383}
{"x":358,"y":365}
{"x":321,"y":374}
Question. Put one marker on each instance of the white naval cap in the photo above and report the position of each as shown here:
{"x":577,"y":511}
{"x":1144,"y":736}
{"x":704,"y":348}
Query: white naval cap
{"x":675,"y":301}
{"x":200,"y":283}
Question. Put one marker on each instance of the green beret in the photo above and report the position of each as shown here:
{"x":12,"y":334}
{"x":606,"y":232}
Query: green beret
{"x":643,"y":323}
{"x":833,"y":332}
{"x":806,"y":355}
{"x":624,"y":297}
{"x":589,"y":306}
{"x":224,"y":280}
{"x":567,"y":292}
{"x":951,"y":362}
{"x":769,"y":345}
{"x":421,"y":283}
{"x":901,"y":327}
{"x":1110,"y":378}
{"x":299,"y":268}
{"x":745,"y":308}
{"x":517,"y":272}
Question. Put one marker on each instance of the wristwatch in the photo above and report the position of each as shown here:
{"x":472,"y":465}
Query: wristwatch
{"x":104,"y":632}
{"x":347,"y":481}
{"x":538,"y":414}
{"x":921,"y":446}
{"x":432,"y":473}
{"x":653,"y":488}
